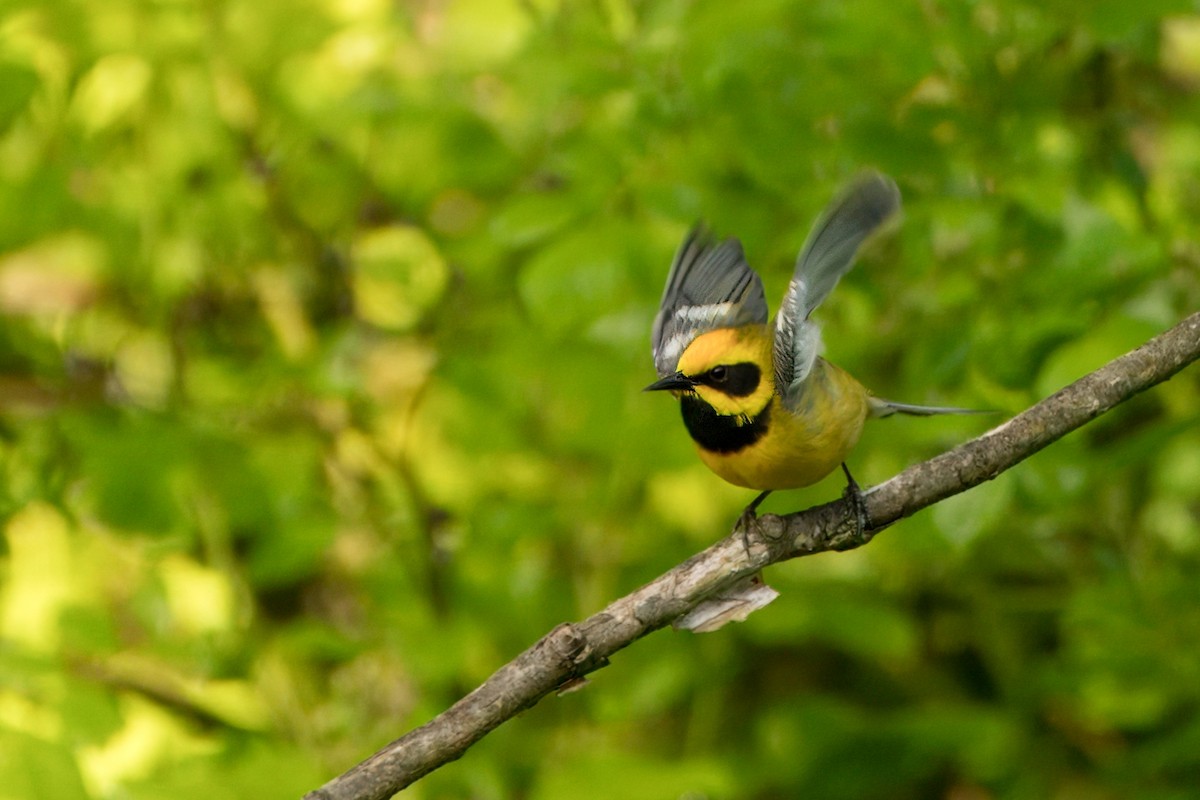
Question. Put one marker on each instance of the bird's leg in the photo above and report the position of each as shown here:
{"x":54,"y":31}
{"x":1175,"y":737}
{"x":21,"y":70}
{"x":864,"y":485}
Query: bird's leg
{"x":748,"y":518}
{"x":749,"y":513}
{"x":857,"y":501}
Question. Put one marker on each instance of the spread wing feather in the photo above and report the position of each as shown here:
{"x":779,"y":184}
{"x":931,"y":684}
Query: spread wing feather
{"x":710,"y":286}
{"x":827,"y":255}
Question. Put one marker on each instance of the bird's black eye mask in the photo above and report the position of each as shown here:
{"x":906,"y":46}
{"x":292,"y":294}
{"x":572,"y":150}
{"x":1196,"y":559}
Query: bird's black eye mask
{"x":735,"y":380}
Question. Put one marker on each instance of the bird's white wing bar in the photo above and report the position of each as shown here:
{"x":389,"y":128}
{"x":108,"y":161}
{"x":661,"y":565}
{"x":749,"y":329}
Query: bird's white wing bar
{"x":710,"y":286}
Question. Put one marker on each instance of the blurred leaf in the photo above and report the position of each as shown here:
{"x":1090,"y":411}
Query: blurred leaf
{"x":17,"y":85}
{"x":399,"y":275}
{"x":32,"y":767}
{"x":576,"y":279}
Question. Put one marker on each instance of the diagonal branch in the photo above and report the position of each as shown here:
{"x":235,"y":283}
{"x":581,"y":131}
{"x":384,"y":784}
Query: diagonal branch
{"x":562,"y":657}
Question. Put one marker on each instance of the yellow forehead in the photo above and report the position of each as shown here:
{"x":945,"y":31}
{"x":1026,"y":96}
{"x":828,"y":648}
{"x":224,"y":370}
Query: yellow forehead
{"x":726,"y":346}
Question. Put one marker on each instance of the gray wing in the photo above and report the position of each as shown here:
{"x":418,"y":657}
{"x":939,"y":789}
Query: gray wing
{"x":828,"y":254}
{"x":710,"y":286}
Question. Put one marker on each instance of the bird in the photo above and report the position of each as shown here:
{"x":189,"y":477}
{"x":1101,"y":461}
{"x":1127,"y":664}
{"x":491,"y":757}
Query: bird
{"x":764,"y":408}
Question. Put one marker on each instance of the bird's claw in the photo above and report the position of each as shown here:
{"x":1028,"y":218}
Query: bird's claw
{"x":749,"y":520}
{"x":745,"y":523}
{"x":858,"y":504}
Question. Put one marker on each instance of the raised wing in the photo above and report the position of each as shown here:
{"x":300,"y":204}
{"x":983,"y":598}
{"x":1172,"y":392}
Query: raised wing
{"x":710,"y":286}
{"x":827,"y":255}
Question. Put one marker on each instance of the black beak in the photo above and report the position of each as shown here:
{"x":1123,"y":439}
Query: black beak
{"x":678,"y":381}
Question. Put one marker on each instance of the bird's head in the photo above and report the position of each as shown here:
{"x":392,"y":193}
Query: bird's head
{"x":730,"y":369}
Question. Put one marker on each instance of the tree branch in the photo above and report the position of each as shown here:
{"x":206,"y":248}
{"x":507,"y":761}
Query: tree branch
{"x":561,"y":658}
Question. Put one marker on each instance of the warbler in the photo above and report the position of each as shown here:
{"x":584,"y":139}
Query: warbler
{"x":766,"y":411}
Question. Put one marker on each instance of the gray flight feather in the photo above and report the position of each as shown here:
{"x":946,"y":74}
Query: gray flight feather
{"x":827,"y":255}
{"x":710,"y":286}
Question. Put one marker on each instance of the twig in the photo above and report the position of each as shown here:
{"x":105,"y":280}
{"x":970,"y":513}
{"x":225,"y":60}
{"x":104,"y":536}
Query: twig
{"x":562,"y":657}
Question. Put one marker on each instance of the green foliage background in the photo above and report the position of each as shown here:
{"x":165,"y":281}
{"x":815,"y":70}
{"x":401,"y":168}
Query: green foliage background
{"x":324,"y":325}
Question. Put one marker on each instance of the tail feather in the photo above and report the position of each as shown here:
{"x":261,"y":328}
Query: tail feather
{"x":886,"y":408}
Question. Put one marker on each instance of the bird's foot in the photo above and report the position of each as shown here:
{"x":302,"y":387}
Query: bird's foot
{"x":749,"y":520}
{"x":858,"y":504}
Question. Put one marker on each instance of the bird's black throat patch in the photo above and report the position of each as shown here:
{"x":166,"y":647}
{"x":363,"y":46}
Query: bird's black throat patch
{"x":720,"y":433}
